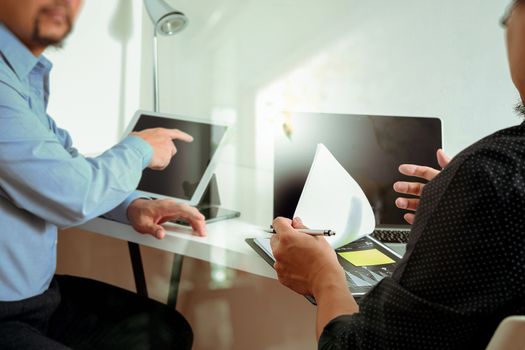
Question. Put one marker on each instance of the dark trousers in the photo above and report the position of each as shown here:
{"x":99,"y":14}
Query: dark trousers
{"x":78,"y":313}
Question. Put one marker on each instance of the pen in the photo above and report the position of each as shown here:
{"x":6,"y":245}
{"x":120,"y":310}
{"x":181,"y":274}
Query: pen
{"x":311,"y":232}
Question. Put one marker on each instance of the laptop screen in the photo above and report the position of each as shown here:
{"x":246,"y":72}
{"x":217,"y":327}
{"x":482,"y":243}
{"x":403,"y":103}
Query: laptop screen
{"x":189,"y":168}
{"x":371,"y":148}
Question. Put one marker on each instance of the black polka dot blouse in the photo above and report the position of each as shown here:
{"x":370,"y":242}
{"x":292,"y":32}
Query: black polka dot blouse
{"x":464,"y":270}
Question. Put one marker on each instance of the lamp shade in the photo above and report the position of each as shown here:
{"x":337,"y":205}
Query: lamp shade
{"x":166,"y":19}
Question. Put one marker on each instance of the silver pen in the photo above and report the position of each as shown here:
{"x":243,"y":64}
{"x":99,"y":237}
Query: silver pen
{"x":311,"y":232}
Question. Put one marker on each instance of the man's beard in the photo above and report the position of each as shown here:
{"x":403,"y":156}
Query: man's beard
{"x":45,"y":41}
{"x":520,"y":109}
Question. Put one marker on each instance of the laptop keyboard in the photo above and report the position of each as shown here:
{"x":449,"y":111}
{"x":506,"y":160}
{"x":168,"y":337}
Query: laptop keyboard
{"x":391,"y":236}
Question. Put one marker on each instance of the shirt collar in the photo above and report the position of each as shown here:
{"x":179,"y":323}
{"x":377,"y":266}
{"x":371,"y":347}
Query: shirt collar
{"x":18,"y":56}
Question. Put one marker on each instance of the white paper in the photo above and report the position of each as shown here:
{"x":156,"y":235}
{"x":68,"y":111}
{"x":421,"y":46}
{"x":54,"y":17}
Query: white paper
{"x":332,"y":199}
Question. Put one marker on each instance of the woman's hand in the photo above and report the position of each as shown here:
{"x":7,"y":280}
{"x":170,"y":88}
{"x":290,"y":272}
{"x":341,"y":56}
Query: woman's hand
{"x":416,"y":188}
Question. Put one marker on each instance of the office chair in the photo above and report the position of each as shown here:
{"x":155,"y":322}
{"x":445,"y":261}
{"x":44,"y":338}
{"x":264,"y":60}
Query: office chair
{"x":510,"y":334}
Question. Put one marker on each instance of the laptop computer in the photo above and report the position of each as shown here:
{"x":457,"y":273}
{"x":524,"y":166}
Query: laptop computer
{"x":187,"y":177}
{"x":370,"y":148}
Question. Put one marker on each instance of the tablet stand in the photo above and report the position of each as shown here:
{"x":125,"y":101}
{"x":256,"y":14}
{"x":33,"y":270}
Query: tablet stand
{"x":211,"y":194}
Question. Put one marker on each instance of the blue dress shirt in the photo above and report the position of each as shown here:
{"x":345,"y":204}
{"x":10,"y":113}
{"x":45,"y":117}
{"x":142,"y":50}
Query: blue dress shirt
{"x":44,"y":182}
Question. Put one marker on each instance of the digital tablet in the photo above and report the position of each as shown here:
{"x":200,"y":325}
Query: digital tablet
{"x":188,"y":174}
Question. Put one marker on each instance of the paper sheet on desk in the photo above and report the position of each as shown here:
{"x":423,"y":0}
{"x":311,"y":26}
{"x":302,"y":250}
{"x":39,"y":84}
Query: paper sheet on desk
{"x":332,"y":199}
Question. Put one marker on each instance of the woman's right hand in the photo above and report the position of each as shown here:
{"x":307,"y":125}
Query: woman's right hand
{"x":416,"y":188}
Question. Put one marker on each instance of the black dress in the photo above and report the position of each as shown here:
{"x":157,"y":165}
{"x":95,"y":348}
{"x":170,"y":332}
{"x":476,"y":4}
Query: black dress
{"x":464,"y":269}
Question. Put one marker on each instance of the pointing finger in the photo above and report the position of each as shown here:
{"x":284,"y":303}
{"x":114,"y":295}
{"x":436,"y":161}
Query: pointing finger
{"x":176,"y":134}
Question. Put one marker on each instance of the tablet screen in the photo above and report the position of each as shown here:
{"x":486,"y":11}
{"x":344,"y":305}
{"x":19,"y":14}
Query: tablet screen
{"x":182,"y":176}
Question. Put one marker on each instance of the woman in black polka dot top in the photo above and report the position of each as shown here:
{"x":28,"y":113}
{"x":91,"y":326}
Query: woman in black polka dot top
{"x":464,"y":269}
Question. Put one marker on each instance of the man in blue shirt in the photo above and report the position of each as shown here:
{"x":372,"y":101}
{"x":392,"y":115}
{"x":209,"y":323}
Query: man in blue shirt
{"x":45,"y":183}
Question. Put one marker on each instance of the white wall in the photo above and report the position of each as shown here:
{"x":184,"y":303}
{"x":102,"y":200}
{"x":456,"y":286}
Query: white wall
{"x":95,"y":82}
{"x":242,"y":59}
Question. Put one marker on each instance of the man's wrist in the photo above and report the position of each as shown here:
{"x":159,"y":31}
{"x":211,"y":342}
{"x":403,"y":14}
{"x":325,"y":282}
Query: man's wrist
{"x":333,"y":298}
{"x":329,"y":282}
{"x":133,"y":204}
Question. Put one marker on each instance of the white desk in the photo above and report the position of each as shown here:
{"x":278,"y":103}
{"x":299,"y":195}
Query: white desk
{"x":224,"y":245}
{"x":244,"y":189}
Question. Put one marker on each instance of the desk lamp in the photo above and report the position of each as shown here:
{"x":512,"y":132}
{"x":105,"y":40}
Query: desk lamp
{"x":167,"y":21}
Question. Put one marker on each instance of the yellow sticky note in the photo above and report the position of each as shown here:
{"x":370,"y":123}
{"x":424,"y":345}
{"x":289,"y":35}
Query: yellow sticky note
{"x":369,"y":257}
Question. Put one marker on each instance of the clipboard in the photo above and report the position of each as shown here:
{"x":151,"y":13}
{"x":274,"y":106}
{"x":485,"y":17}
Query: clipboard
{"x":365,"y":261}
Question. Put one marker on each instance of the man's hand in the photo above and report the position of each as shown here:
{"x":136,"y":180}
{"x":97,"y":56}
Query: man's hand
{"x":161,"y":140}
{"x":147,"y":216}
{"x":304,"y":263}
{"x":416,"y":188}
